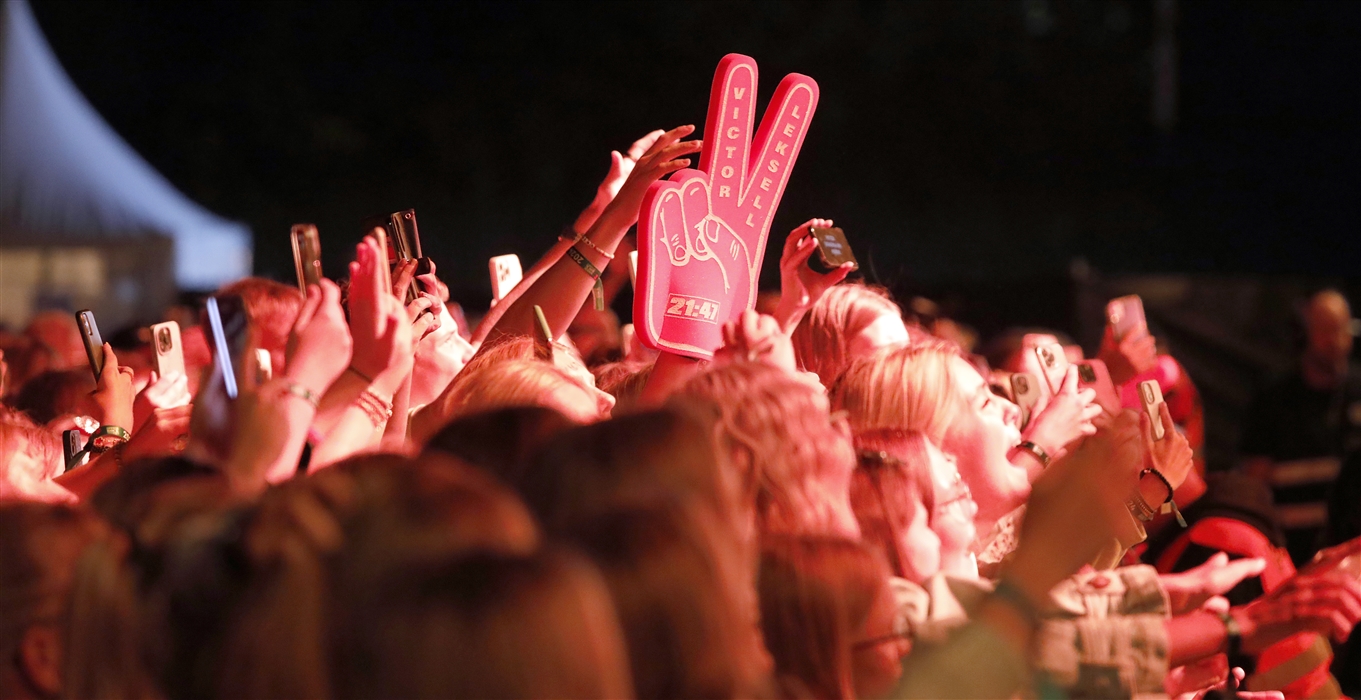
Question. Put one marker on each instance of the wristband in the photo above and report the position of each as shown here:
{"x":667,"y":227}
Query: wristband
{"x":1037,"y":451}
{"x":359,"y":374}
{"x":596,"y":248}
{"x":1169,"y":505}
{"x":1140,"y":508}
{"x":1233,"y":635}
{"x":108,"y":436}
{"x":598,"y":292}
{"x":1008,"y":593}
{"x":303,"y":393}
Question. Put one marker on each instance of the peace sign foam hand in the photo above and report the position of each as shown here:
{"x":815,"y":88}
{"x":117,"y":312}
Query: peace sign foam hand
{"x":702,"y":234}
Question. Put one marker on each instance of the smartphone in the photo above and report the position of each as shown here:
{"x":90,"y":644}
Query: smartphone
{"x":94,"y":343}
{"x":72,"y":446}
{"x":1126,"y":316}
{"x":166,"y":346}
{"x":543,"y":338}
{"x":633,"y":268}
{"x":1151,"y":397}
{"x":505,"y":274}
{"x":306,"y":254}
{"x":405,"y":236}
{"x":1053,"y":365}
{"x":228,"y":331}
{"x":1026,"y":392}
{"x":1094,"y":374}
{"x":833,"y":250}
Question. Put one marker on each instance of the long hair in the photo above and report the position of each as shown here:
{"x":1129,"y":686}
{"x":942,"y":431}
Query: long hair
{"x":908,"y":387}
{"x":781,"y":439}
{"x":822,"y":339}
{"x":816,"y":592}
{"x":684,"y":599}
{"x":890,"y":487}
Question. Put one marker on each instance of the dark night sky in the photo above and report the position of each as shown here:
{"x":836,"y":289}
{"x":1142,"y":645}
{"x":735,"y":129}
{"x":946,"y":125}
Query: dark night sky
{"x":953,"y":140}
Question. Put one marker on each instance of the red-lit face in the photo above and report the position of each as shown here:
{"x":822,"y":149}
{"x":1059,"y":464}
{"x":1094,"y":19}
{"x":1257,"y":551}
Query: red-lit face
{"x":980,"y":438}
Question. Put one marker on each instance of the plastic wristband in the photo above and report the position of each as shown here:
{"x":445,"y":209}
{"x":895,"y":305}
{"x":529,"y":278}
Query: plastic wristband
{"x":359,"y":374}
{"x":598,"y":292}
{"x":108,"y":436}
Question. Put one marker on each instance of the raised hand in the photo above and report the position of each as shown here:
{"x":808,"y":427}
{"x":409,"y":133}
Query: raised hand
{"x":319,"y":346}
{"x":163,"y":433}
{"x":1329,"y":604}
{"x":1128,"y":358}
{"x":113,"y":393}
{"x":1067,"y":417}
{"x":169,"y":391}
{"x":703,"y":234}
{"x":376,"y":317}
{"x":756,"y":337}
{"x":1190,"y":589}
{"x":800,"y":285}
{"x":1170,"y":455}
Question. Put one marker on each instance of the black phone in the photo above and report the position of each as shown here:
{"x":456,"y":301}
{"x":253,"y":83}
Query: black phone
{"x":94,"y":343}
{"x":404,"y":243}
{"x":72,"y":448}
{"x":228,"y":331}
{"x":306,"y":254}
{"x":833,"y":250}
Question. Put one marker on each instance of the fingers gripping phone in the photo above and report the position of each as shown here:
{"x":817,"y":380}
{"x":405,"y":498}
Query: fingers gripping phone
{"x":1026,"y":390}
{"x":1094,"y":375}
{"x":1126,"y":317}
{"x":1151,"y":397}
{"x":505,"y":274}
{"x":306,"y":254}
{"x":1053,"y":364}
{"x":94,"y":343}
{"x":166,"y":346}
{"x":404,"y":243}
{"x":833,"y":250}
{"x":228,"y":331}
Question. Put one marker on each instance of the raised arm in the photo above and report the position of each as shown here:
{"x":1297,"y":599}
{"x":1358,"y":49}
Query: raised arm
{"x":569,"y":281}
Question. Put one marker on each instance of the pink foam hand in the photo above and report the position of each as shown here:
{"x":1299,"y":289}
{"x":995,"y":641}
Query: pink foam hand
{"x":702,"y":234}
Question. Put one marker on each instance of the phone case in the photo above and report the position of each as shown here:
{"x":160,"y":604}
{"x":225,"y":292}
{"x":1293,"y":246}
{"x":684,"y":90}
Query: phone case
{"x":1093,"y":374}
{"x":306,"y":254}
{"x":406,"y":238}
{"x":833,"y":250}
{"x":1126,"y":316}
{"x":1026,"y":390}
{"x":1054,"y":365}
{"x":1151,"y":396}
{"x":94,"y":343}
{"x":228,"y":328}
{"x":169,"y":352}
{"x":505,"y":274}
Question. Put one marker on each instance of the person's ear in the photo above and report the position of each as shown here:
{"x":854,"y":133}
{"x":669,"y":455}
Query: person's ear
{"x":40,"y":658}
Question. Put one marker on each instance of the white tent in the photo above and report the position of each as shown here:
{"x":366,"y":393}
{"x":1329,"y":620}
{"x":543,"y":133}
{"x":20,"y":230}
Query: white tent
{"x":67,"y":179}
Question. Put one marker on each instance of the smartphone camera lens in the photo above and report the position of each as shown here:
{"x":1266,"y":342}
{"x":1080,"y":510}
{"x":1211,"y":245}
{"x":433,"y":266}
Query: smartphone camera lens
{"x":163,"y":341}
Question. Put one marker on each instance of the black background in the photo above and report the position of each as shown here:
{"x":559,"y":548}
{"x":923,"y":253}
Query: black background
{"x":953,"y":141}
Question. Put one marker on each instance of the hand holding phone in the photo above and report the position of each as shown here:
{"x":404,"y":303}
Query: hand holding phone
{"x":1053,"y":365}
{"x":1151,"y":397}
{"x":1126,"y":317}
{"x":228,"y":335}
{"x":167,"y":348}
{"x":833,"y":250}
{"x":94,"y":343}
{"x":505,"y":274}
{"x":306,"y":254}
{"x":1026,"y":390}
{"x":1092,"y":374}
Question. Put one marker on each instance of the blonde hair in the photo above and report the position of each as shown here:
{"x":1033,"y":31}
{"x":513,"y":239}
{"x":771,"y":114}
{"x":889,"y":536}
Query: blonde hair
{"x":782,"y":427}
{"x":507,"y":384}
{"x":822,"y":338}
{"x":890,"y":484}
{"x":908,"y":387}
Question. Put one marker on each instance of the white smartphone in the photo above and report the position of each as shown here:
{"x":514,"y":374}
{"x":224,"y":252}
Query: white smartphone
{"x":169,"y":352}
{"x":1151,"y":397}
{"x":505,"y":274}
{"x":1054,"y":365}
{"x":1026,"y":390}
{"x":633,"y":268}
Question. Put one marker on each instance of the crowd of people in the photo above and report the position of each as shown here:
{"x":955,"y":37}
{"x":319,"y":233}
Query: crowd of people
{"x":845,"y":502}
